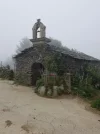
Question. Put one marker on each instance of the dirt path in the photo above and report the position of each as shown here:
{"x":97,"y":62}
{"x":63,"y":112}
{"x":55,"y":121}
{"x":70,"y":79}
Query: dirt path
{"x":23,"y":112}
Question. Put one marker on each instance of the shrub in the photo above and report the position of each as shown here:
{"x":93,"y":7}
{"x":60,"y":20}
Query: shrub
{"x":11,"y":75}
{"x":22,"y":79}
{"x":86,"y":83}
{"x":54,"y":63}
{"x":59,"y":80}
{"x":50,"y":82}
{"x":60,"y":91}
{"x":96,"y":104}
{"x":87,"y":92}
{"x":39,"y":83}
{"x":6,"y":73}
{"x":83,"y":87}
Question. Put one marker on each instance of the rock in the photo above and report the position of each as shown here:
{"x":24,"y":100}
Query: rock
{"x":49,"y":93}
{"x":55,"y":87}
{"x":60,"y":90}
{"x":41,"y":91}
{"x":55,"y":91}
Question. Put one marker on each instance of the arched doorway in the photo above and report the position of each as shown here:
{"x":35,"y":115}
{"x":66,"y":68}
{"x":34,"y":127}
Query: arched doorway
{"x":37,"y":70}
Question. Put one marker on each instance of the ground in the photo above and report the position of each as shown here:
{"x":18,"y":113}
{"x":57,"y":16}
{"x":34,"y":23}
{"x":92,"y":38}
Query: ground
{"x":23,"y":112}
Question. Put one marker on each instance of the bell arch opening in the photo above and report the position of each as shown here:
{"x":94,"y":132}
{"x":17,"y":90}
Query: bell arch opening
{"x":38,"y":33}
{"x":37,"y":70}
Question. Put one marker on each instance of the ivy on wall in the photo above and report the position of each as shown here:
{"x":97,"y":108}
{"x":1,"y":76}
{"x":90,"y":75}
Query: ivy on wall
{"x":55,"y":63}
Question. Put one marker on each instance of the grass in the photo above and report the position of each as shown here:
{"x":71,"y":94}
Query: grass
{"x":96,"y":104}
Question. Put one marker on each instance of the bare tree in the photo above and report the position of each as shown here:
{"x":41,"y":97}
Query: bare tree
{"x":24,"y":43}
{"x":9,"y":61}
{"x":55,"y":42}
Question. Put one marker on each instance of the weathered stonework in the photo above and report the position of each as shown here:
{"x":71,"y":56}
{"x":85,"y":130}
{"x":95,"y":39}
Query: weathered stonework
{"x":39,"y":51}
{"x":42,"y":31}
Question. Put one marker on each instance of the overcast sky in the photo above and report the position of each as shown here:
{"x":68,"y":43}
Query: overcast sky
{"x":75,"y":22}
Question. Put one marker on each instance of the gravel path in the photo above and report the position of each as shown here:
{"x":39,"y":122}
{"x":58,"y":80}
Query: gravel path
{"x":23,"y":112}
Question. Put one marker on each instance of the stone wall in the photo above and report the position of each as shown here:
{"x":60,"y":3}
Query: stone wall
{"x":37,"y":53}
{"x":25,"y":61}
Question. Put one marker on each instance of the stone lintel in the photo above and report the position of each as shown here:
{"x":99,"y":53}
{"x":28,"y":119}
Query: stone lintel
{"x":40,"y":40}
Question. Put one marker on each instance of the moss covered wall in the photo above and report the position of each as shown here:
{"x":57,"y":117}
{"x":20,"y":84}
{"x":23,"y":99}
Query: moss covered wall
{"x":25,"y":60}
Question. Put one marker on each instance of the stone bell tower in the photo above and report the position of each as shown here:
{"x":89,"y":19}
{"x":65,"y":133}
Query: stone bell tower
{"x":39,"y":33}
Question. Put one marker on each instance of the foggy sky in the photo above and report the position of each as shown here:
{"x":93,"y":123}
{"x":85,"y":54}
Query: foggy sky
{"x":76,"y":23}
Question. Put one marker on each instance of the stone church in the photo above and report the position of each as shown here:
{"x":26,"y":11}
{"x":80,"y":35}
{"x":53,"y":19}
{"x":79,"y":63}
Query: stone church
{"x":30,"y":62}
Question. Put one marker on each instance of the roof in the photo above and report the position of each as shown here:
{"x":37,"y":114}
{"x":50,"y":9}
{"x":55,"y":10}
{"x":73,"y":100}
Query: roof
{"x":23,"y":52}
{"x":75,"y":54}
{"x":65,"y":51}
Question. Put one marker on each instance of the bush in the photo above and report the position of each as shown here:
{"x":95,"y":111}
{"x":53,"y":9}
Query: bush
{"x":22,"y":79}
{"x":82,"y":84}
{"x":96,"y":104}
{"x":87,"y":92}
{"x":39,"y":83}
{"x":84,"y":89}
{"x":11,"y":75}
{"x":59,"y":80}
{"x":59,"y":90}
{"x":6,"y":73}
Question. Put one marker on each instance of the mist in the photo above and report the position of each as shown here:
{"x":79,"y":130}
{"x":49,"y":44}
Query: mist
{"x":75,"y":23}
